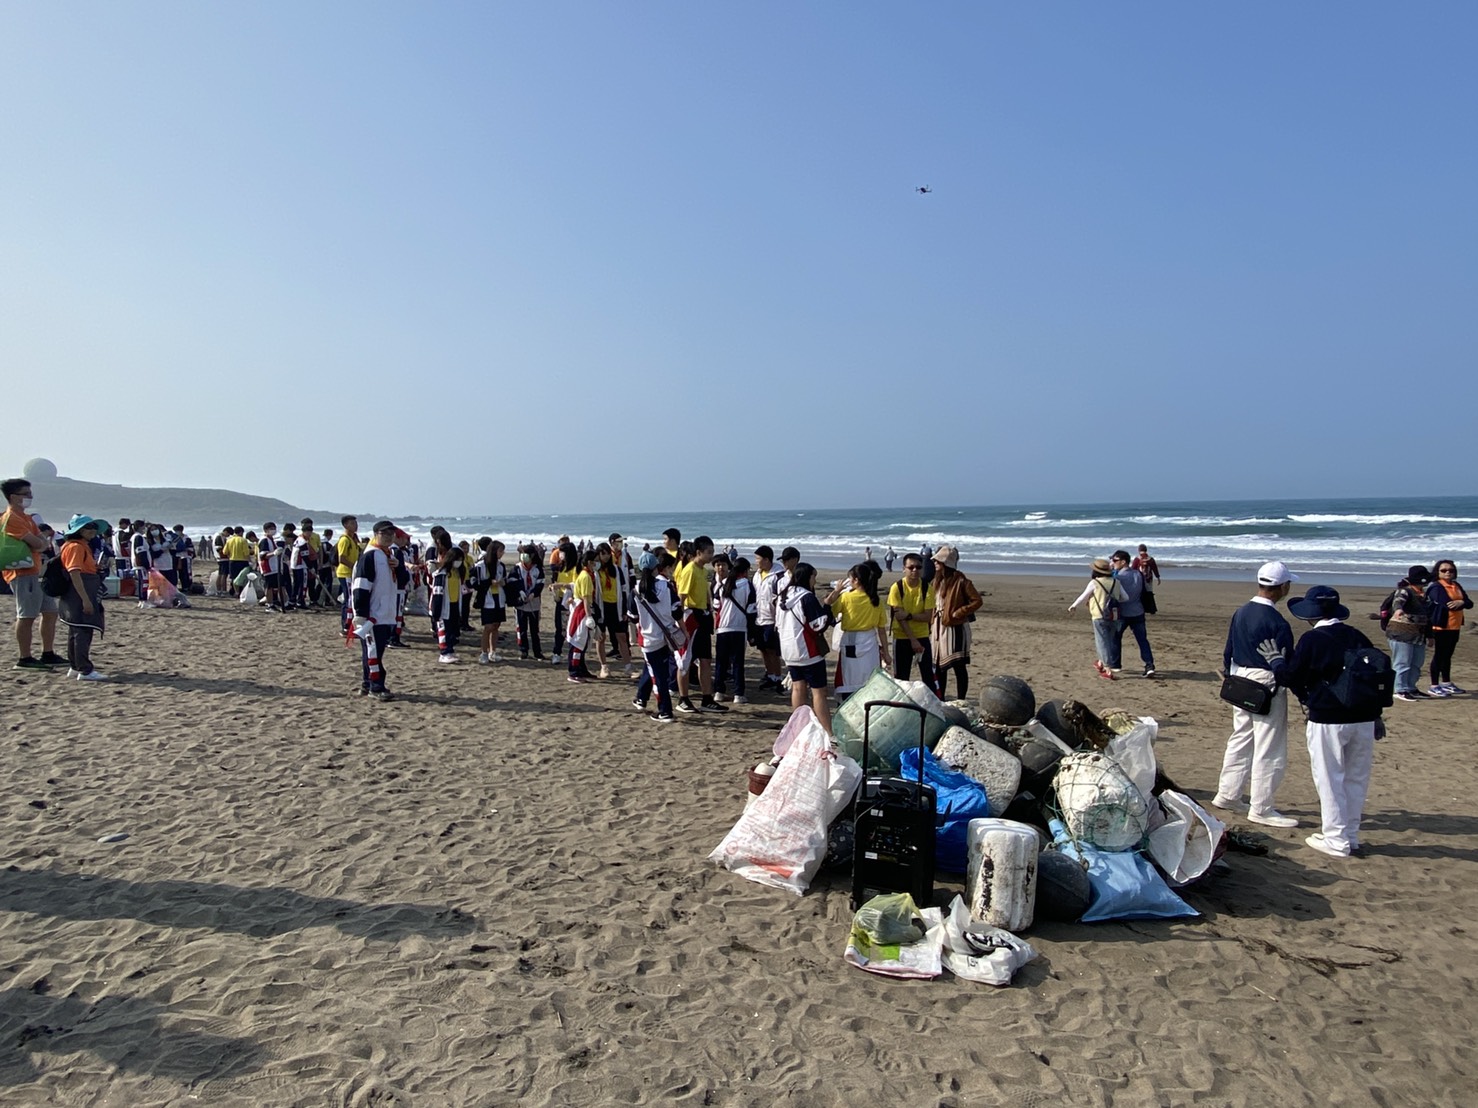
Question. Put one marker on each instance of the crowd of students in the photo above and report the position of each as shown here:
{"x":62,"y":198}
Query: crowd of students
{"x":680,"y":618}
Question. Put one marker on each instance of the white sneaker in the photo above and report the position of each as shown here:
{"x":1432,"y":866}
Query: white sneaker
{"x":1272,"y":818}
{"x":1321,"y":844}
{"x":741,"y":700}
{"x":495,"y":657}
{"x":719,"y":698}
{"x":605,"y":671}
{"x":72,"y":674}
{"x":447,"y":659}
{"x":93,"y":676}
{"x":482,"y":659}
{"x":1229,"y":805}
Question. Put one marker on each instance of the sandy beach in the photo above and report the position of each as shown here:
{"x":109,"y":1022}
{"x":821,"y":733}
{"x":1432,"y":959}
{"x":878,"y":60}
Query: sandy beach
{"x":495,"y":891}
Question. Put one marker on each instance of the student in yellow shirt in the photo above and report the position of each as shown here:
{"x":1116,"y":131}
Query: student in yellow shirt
{"x":348,"y":549}
{"x":584,"y":619}
{"x":695,"y":589}
{"x":863,"y":618}
{"x":911,"y":600}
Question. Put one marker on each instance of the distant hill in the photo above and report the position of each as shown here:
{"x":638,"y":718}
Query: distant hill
{"x":58,"y":498}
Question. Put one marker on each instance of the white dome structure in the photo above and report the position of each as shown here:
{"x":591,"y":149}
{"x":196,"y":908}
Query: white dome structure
{"x":39,"y":469}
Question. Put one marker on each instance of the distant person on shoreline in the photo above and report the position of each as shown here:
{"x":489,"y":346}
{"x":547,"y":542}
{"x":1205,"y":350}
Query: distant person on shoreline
{"x":1147,"y":566}
{"x":888,"y":559}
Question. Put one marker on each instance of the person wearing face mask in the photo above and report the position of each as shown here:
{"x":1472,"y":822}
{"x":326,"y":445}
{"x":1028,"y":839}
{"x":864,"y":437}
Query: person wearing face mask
{"x":24,"y":579}
{"x":377,"y":575}
{"x":526,"y":593}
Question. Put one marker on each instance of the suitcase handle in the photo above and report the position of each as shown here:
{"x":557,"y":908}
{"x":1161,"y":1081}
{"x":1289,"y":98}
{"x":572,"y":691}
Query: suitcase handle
{"x":908,"y":705}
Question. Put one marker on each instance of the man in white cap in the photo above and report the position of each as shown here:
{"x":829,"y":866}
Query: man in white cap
{"x":1259,"y":646}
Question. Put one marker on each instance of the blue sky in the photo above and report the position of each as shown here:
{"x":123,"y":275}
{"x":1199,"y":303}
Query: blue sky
{"x":486,"y":258}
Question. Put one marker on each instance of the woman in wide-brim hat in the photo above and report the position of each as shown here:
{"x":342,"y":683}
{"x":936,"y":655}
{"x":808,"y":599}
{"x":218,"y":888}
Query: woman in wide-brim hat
{"x":82,"y":606}
{"x":1103,"y":594}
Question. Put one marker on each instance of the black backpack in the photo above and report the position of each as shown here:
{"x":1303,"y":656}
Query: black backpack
{"x":1368,"y":682}
{"x":55,"y":580}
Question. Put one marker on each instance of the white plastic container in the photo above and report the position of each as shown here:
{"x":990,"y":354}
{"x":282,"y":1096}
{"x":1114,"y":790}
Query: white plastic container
{"x":1001,"y":874}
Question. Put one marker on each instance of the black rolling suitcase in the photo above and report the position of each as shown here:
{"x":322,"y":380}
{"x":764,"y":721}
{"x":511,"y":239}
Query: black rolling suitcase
{"x":893,"y":822}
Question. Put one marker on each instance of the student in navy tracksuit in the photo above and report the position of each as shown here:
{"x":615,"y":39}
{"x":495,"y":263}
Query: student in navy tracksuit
{"x":1259,"y":644}
{"x":1341,"y":741}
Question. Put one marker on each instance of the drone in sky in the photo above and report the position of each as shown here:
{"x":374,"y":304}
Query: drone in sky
{"x":923,"y":189}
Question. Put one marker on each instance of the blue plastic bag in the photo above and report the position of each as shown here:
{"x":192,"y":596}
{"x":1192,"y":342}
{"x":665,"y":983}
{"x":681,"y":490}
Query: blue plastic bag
{"x":1126,"y":886}
{"x":959,"y":798}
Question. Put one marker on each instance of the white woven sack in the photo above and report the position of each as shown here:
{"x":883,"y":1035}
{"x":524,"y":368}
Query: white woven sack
{"x":781,"y":839}
{"x":1099,"y":803}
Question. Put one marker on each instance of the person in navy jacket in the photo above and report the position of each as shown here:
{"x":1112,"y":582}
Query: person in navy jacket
{"x":1259,"y":645}
{"x":1341,"y":740}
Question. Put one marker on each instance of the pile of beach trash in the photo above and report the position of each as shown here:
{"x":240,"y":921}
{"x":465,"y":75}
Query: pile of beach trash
{"x":1050,"y":812}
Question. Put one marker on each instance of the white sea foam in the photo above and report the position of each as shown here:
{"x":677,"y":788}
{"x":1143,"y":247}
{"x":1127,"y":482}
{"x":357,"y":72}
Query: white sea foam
{"x":1380,"y":521}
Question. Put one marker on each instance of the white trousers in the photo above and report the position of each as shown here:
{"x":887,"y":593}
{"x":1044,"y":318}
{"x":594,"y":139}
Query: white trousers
{"x":1257,"y":751}
{"x":1341,"y":755}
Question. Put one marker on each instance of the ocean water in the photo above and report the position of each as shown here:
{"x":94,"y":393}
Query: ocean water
{"x":1349,"y":541}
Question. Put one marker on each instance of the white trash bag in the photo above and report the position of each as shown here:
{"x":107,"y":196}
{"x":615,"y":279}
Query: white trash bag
{"x":1188,"y":841}
{"x":781,"y":839}
{"x":979,"y":953}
